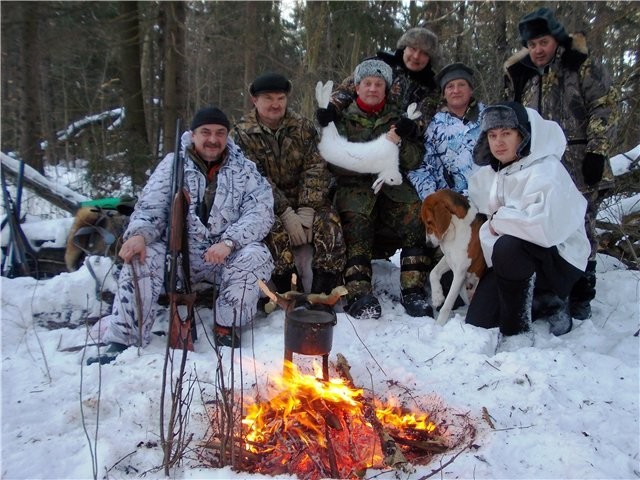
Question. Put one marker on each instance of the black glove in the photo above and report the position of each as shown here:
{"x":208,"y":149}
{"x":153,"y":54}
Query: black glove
{"x":326,"y":115}
{"x":406,"y":128}
{"x":592,"y":168}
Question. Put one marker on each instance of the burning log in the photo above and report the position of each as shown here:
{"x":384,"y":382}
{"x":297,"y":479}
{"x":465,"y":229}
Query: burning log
{"x":393,"y":456}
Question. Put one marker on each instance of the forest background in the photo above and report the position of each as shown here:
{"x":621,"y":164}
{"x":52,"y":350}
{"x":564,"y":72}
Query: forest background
{"x":71,"y":69}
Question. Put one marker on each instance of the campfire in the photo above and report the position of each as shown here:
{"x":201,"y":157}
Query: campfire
{"x":322,"y":425}
{"x":315,"y":428}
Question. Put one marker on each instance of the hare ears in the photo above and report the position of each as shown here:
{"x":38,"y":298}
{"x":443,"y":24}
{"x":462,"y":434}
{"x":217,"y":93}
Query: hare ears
{"x":323,"y":93}
{"x":413,"y":112}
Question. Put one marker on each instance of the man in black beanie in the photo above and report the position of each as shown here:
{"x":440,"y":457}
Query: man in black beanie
{"x":230,"y":212}
{"x":284,"y":146}
{"x":555,"y":75}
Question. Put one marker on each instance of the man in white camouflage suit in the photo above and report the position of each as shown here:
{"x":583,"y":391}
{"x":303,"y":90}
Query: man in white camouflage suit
{"x":230,"y":212}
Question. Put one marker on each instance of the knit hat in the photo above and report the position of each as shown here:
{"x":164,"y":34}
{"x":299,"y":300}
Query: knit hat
{"x":270,"y":82}
{"x":539,"y":23}
{"x":502,"y":115}
{"x":373,"y":68}
{"x":454,"y":71}
{"x":209,"y":115}
{"x":423,"y":39}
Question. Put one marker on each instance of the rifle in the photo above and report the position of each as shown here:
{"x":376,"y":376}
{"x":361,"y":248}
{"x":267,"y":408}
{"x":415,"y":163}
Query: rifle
{"x":181,"y":333}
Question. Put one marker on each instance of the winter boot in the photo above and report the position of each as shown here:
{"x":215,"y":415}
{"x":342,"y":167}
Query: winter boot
{"x":554,"y":309}
{"x":515,"y":298}
{"x":109,"y":355}
{"x":416,"y":302}
{"x":583,"y":291}
{"x":365,"y":307}
{"x":414,"y":265}
{"x":226,"y":336}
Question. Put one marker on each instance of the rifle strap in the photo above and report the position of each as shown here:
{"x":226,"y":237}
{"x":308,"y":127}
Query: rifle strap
{"x":186,"y":267}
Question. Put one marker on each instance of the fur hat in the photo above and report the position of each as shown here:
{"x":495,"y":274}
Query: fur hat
{"x":209,"y":115}
{"x":423,"y":39}
{"x":539,"y":23}
{"x":270,"y":82}
{"x":454,"y":71}
{"x":502,"y":115}
{"x":373,"y":68}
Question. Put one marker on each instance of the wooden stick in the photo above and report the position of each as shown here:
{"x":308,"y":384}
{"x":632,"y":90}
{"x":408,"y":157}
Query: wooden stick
{"x":393,"y":456}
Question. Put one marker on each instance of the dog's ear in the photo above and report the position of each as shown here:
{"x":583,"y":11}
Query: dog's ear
{"x":441,"y":217}
{"x":457,"y":204}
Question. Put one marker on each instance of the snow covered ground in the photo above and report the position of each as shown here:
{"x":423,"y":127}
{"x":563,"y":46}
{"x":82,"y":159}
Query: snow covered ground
{"x":565,"y":408}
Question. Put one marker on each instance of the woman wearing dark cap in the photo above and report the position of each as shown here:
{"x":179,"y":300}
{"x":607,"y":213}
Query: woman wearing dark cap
{"x":450,"y":136}
{"x":535,"y":236}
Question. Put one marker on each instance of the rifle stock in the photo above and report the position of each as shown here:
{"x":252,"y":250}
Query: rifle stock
{"x":181,"y":334}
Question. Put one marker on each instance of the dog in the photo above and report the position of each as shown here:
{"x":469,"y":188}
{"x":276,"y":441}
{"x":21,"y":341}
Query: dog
{"x":453,"y":223}
{"x":95,"y":231}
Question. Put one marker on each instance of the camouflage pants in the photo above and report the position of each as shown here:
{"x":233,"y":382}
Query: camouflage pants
{"x":328,"y":244}
{"x":236,"y":283}
{"x":389,"y":226}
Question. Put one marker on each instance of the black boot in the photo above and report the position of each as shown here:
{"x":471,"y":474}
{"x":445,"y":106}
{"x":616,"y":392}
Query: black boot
{"x":417,"y":303}
{"x":583,"y":291}
{"x":109,"y":354}
{"x":554,"y":309}
{"x":226,"y":336}
{"x":515,"y":298}
{"x":414,"y":266}
{"x":364,"y":307}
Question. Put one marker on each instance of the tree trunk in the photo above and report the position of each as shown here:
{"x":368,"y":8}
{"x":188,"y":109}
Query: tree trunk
{"x":135,"y":130}
{"x":30,"y":134}
{"x":173,"y":14}
{"x":250,"y":49}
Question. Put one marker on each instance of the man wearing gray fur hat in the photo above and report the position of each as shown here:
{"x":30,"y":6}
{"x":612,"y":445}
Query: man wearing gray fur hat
{"x":413,"y":66}
{"x":555,"y":75}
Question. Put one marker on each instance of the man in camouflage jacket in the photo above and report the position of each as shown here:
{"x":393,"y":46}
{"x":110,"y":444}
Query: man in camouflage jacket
{"x":555,"y":75}
{"x":284,"y":146}
{"x":376,"y":225}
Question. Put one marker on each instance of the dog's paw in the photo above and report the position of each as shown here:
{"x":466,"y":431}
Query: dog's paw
{"x":443,"y":317}
{"x":437,"y":297}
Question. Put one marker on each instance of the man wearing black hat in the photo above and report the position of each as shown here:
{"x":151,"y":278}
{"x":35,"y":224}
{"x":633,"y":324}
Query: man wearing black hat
{"x":555,"y":75}
{"x":284,"y":146}
{"x":230,"y":212}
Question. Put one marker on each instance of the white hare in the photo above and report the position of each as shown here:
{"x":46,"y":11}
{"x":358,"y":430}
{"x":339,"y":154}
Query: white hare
{"x":379,"y":156}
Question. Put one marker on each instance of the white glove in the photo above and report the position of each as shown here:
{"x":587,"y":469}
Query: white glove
{"x":307,"y":214}
{"x":293,"y":226}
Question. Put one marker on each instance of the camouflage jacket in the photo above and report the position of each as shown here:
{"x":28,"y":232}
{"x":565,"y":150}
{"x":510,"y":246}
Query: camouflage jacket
{"x":408,"y":87}
{"x":573,"y":90}
{"x":288,"y":157}
{"x":356,"y":126}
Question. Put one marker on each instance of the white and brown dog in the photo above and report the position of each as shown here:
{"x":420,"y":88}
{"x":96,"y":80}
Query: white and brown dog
{"x":452,"y":223}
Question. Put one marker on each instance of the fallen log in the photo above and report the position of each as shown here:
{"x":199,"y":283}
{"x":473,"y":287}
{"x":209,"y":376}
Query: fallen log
{"x":58,"y":195}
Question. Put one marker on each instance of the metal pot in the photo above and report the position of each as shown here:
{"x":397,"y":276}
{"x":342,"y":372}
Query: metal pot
{"x":309,"y":332}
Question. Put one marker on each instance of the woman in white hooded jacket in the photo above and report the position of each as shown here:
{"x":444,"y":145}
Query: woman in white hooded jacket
{"x":534,"y":238}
